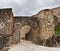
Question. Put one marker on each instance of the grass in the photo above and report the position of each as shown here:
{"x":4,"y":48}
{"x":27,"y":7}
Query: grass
{"x":57,"y":30}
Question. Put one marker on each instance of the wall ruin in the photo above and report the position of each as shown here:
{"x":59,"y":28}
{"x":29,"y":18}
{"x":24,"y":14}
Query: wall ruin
{"x":30,"y":21}
{"x":42,"y":25}
{"x":6,"y":26}
{"x":6,"y":21}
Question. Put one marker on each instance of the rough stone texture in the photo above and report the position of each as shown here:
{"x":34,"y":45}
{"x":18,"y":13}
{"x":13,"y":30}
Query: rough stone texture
{"x":16,"y":33}
{"x":46,"y":24}
{"x":36,"y":28}
{"x":56,"y":12}
{"x":6,"y":27}
{"x":24,"y":30}
{"x":3,"y":40}
{"x":6,"y":21}
{"x":32,"y":32}
{"x":51,"y":42}
{"x":56,"y":22}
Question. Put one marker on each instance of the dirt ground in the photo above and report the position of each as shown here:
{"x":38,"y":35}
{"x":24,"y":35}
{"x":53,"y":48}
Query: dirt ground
{"x":28,"y":46}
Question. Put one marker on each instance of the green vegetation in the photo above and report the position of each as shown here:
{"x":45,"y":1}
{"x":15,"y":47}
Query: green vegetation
{"x":57,"y":30}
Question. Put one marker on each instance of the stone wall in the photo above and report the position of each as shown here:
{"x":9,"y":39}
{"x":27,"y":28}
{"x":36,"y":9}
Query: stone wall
{"x":6,"y":21}
{"x":30,"y":33}
{"x":56,"y":13}
{"x":46,"y":23}
{"x":42,"y":25}
{"x":6,"y":27}
{"x":39,"y":26}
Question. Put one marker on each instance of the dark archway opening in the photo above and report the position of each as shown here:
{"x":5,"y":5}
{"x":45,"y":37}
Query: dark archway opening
{"x":28,"y":36}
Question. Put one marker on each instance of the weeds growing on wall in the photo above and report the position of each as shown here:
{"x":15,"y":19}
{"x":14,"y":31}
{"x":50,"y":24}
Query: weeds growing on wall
{"x":57,"y":30}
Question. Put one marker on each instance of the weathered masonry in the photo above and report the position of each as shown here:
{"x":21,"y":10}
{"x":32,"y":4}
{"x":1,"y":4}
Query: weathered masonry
{"x":34,"y":28}
{"x":6,"y":21}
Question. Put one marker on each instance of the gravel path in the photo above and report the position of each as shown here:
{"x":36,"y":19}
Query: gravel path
{"x":28,"y":46}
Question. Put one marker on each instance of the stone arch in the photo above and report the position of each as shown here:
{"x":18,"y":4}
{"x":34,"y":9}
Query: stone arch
{"x":25,"y":31}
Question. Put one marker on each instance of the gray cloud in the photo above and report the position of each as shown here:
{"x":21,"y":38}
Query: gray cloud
{"x":28,"y":7}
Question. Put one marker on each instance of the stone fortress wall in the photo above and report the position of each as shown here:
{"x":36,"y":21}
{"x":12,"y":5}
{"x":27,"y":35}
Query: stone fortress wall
{"x":39,"y":26}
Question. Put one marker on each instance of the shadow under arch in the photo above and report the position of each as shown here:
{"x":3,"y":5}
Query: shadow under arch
{"x":26,"y":32}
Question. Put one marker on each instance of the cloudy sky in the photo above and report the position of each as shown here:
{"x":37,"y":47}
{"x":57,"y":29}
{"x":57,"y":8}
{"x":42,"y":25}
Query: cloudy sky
{"x":28,"y":7}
